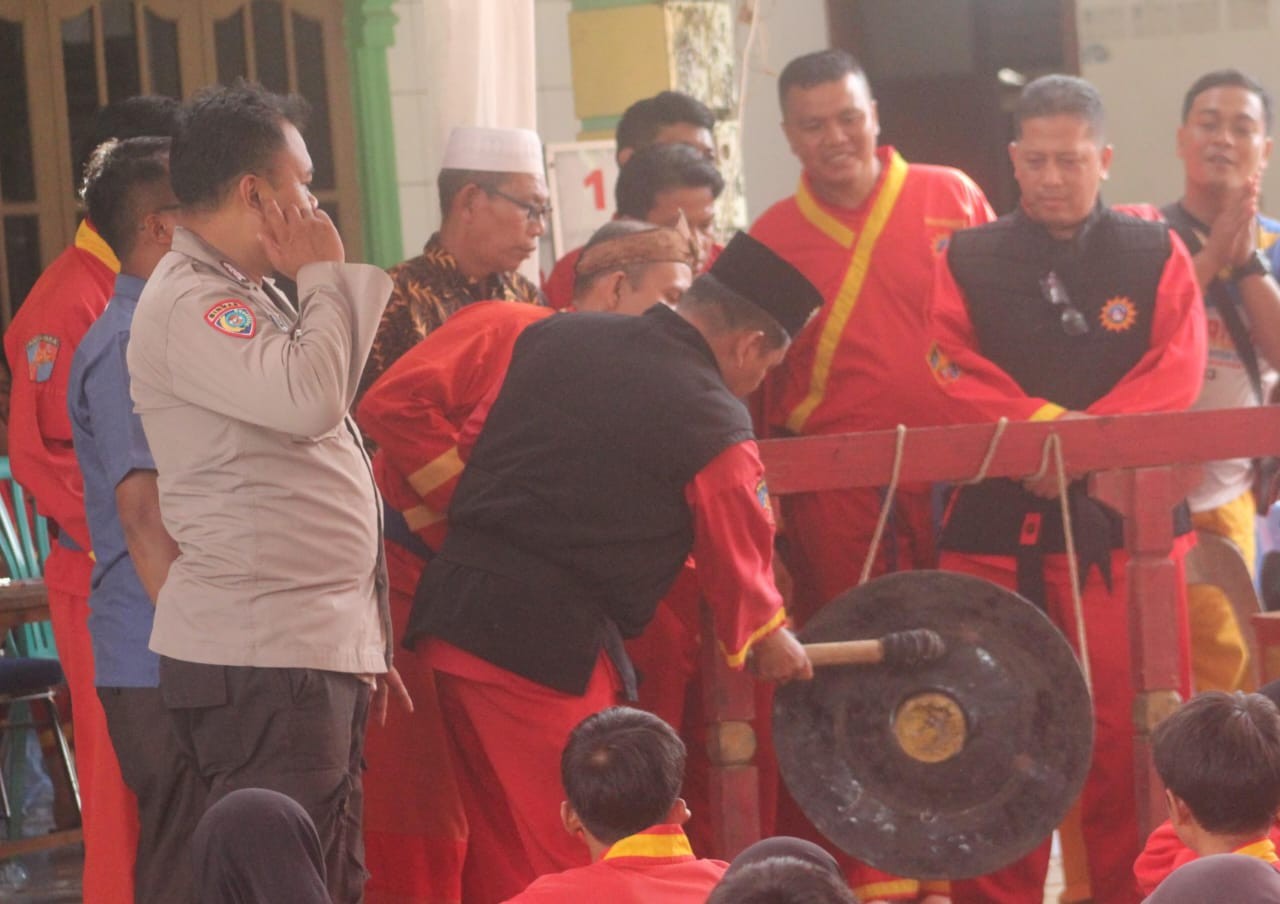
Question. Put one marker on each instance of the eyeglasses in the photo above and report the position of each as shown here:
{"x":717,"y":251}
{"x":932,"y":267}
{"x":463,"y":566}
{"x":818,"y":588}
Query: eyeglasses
{"x":1054,"y":292}
{"x":535,"y":213}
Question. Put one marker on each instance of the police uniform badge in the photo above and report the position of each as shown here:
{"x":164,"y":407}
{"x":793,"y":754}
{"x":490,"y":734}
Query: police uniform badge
{"x":232,"y":317}
{"x":42,"y":352}
{"x":1118,"y":314}
{"x":234,"y":272}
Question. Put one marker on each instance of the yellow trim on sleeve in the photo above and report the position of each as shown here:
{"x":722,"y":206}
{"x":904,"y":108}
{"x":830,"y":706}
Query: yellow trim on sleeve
{"x":824,"y":222}
{"x":847,"y":298}
{"x":885,"y":889}
{"x":87,"y":239}
{"x":1047,"y":412}
{"x":651,"y":844}
{"x":738,"y":659}
{"x":437,"y":472}
{"x":420,"y":517}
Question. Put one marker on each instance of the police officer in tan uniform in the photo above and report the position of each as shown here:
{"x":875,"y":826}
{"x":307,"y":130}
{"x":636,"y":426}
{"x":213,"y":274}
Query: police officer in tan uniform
{"x":272,"y":622}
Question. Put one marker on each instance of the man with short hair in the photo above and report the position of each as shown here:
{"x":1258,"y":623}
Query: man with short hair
{"x":415,"y":832}
{"x":1064,"y":308}
{"x":493,"y":208}
{"x":659,"y":184}
{"x":127,"y":194}
{"x":669,"y":117}
{"x":272,"y":623}
{"x":39,"y":345}
{"x":615,"y":448}
{"x":622,"y":770}
{"x":865,"y":227}
{"x":1224,"y":143}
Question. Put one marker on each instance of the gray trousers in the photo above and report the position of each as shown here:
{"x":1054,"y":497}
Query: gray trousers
{"x":171,"y":795}
{"x":296,"y":731}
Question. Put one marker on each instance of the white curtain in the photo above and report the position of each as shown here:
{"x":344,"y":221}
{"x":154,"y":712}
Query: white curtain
{"x":478,"y":69}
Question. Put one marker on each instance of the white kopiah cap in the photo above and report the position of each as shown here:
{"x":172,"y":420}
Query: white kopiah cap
{"x":494,"y":150}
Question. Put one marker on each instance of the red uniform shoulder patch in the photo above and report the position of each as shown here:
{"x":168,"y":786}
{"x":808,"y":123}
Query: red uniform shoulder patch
{"x":42,"y":352}
{"x":232,"y":317}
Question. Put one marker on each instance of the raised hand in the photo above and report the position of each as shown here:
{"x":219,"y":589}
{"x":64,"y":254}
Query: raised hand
{"x":295,"y":236}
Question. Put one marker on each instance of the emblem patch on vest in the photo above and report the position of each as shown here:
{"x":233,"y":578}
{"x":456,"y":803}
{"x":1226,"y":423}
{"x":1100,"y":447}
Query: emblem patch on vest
{"x":944,"y":369}
{"x":233,"y":318}
{"x":42,"y":352}
{"x":1118,"y":314}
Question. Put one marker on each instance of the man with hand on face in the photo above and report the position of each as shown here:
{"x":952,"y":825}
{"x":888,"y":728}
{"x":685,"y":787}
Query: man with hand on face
{"x":272,"y":623}
{"x":615,"y":448}
{"x":1224,"y":143}
{"x":415,"y":413}
{"x":1064,"y":308}
{"x":493,"y":204}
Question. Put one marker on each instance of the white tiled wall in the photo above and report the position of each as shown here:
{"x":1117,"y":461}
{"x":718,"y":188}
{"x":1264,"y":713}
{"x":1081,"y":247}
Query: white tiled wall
{"x":419,"y":206}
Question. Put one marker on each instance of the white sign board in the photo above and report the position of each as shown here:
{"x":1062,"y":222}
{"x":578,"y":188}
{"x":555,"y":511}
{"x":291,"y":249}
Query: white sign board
{"x":580,"y":177}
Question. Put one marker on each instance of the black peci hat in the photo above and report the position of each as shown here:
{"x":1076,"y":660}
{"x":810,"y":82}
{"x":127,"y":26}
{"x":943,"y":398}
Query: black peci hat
{"x":752,"y":271}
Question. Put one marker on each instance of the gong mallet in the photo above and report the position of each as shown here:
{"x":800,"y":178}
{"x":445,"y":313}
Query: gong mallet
{"x":899,"y":648}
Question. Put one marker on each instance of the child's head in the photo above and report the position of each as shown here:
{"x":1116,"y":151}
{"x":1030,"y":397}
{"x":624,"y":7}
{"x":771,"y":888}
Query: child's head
{"x":622,"y":771}
{"x":1219,"y":758}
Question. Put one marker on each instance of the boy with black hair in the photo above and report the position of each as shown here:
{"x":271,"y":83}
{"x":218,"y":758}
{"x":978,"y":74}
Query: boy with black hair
{"x":622,"y":769}
{"x":1219,"y":758}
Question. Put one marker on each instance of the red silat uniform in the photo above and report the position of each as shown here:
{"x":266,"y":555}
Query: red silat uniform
{"x":857,"y":366}
{"x":39,"y":345}
{"x":414,"y":826}
{"x":1165,"y":852}
{"x":655,"y":866}
{"x":1166,"y":377}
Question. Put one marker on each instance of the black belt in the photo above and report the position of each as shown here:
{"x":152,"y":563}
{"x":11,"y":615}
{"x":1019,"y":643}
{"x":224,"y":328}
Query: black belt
{"x":396,"y":529}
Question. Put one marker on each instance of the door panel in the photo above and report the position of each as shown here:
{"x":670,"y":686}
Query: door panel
{"x":61,"y":60}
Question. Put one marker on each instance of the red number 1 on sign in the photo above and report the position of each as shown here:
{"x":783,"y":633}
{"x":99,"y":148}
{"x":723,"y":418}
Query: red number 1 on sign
{"x":595,"y":180}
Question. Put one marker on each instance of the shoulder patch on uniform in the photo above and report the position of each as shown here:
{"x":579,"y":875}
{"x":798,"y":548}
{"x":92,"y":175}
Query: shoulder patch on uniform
{"x":762,"y":496}
{"x":42,"y":352}
{"x":232,"y":317}
{"x":944,"y":369}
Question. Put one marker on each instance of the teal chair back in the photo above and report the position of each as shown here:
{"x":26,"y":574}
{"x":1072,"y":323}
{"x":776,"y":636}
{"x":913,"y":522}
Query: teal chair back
{"x":24,"y":545}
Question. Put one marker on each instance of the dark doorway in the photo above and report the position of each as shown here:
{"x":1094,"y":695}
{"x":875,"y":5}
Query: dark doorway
{"x":945,"y":74}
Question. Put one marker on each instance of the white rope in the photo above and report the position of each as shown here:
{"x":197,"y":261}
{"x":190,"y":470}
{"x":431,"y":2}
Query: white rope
{"x":886,"y":506}
{"x":1054,"y":444}
{"x":991,"y":452}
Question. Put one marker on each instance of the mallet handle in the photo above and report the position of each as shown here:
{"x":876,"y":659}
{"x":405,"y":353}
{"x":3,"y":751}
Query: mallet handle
{"x":847,"y":652}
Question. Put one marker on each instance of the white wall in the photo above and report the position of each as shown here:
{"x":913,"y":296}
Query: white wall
{"x":786,"y":29}
{"x":1144,"y":54}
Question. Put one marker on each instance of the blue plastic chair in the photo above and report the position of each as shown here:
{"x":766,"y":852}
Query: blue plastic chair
{"x":24,"y":545}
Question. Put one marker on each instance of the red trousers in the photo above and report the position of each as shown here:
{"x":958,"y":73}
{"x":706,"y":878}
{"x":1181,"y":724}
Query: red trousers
{"x":829,"y":534}
{"x":109,"y":810}
{"x":1108,"y":806}
{"x":415,"y":832}
{"x":506,"y":734}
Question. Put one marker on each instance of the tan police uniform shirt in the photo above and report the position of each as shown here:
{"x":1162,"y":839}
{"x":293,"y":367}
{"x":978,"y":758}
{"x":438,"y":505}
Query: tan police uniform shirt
{"x":263,"y":479}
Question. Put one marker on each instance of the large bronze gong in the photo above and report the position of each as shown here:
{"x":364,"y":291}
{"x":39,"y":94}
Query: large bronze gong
{"x":949,"y":768}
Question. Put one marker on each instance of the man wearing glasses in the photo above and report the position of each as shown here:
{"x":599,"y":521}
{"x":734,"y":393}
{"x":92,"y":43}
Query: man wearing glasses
{"x":493,"y":201}
{"x":1064,"y":308}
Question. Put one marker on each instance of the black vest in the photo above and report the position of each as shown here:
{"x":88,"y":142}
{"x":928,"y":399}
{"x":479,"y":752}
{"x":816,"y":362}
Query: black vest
{"x":1111,"y":271}
{"x":570,"y":523}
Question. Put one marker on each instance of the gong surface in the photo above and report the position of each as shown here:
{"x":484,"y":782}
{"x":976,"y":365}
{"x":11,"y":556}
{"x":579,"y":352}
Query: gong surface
{"x":948,"y":769}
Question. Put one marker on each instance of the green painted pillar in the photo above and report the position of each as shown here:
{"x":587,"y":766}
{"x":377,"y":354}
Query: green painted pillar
{"x":370,"y":30}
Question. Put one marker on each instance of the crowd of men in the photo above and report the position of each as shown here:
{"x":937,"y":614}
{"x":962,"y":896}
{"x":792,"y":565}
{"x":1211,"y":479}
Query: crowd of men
{"x":425,"y":502}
